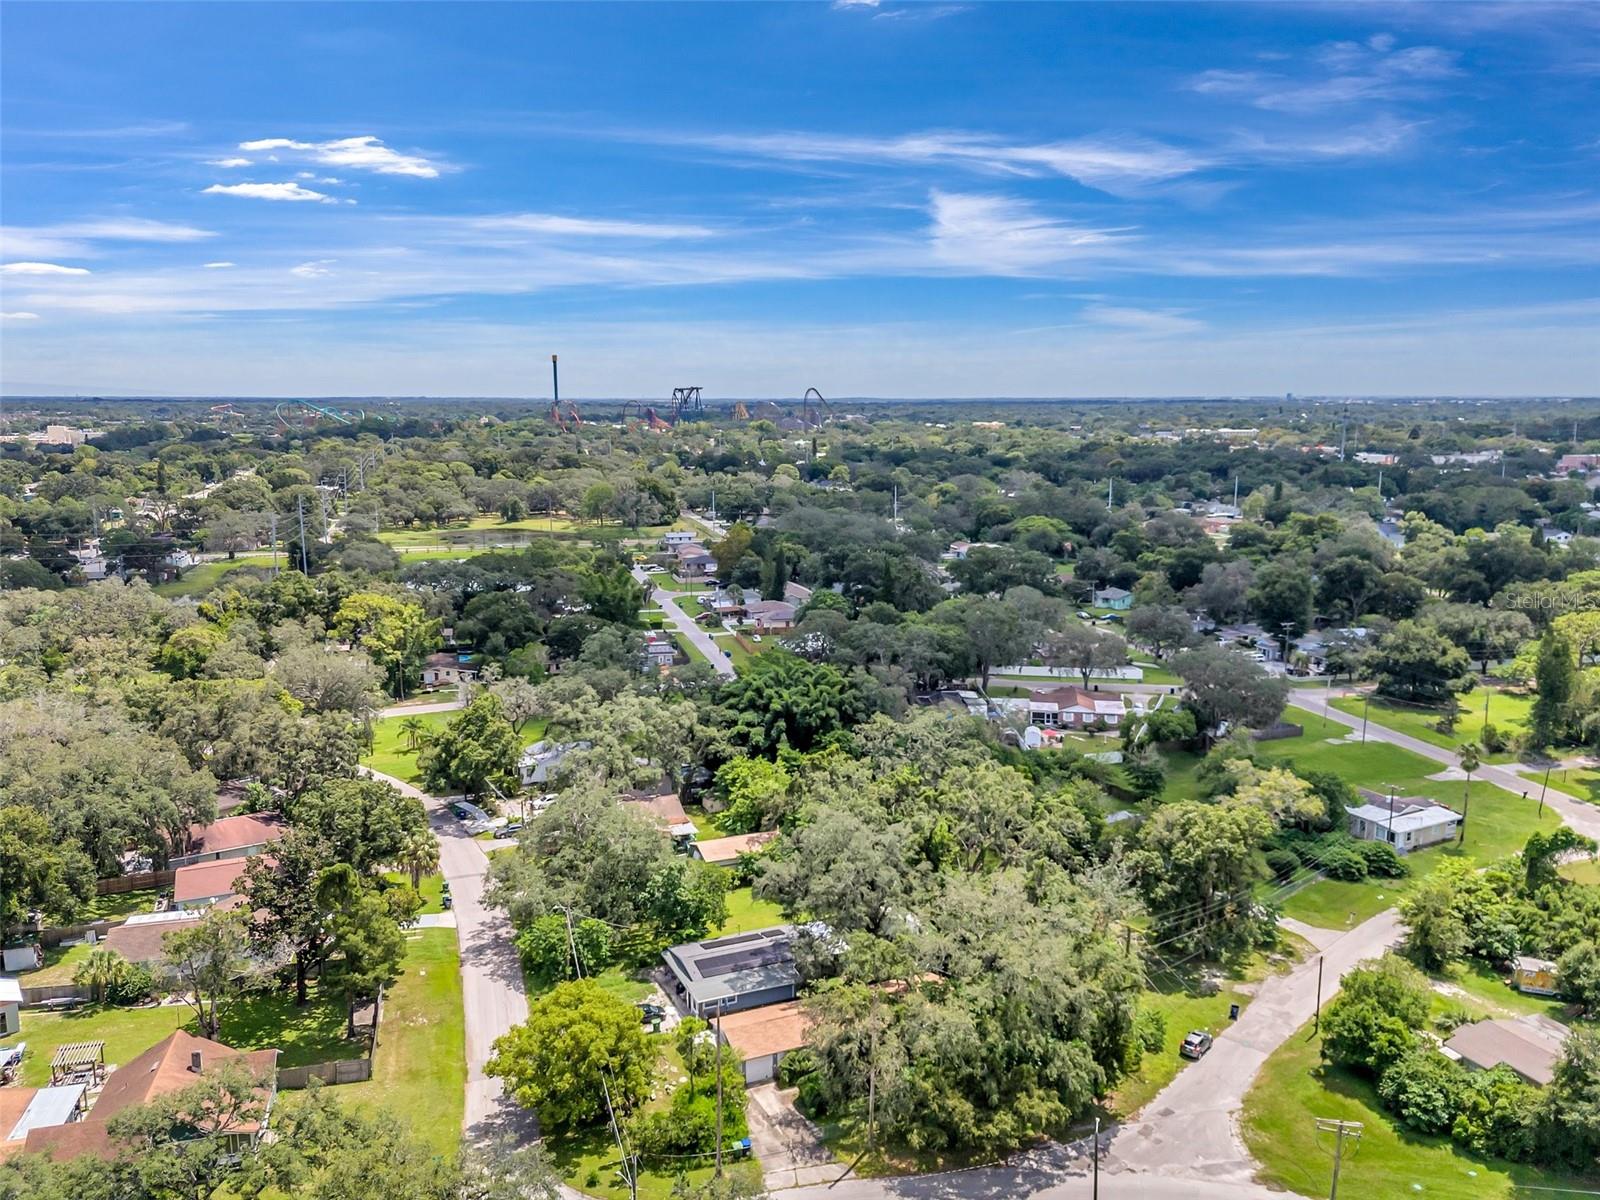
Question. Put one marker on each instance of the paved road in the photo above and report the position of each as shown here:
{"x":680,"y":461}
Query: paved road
{"x":1583,"y":817}
{"x":684,"y":624}
{"x":492,"y":990}
{"x":1190,"y":1129}
{"x":417,"y":710}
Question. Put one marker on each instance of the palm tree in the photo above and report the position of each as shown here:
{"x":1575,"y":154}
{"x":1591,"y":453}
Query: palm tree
{"x":413,"y":729}
{"x":1469,"y":763}
{"x":419,"y":855}
{"x":99,"y":972}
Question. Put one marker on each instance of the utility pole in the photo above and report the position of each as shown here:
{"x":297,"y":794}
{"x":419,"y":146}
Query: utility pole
{"x":1367,"y":700}
{"x":1340,"y":1130}
{"x":274,"y":536}
{"x":719,"y":1087}
{"x":305,"y":563}
{"x":1095,"y":1194}
{"x":1544,"y":787}
{"x":1316,"y":1020}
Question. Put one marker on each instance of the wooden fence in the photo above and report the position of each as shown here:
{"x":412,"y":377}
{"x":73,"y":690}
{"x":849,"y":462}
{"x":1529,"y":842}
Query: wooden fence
{"x":344,"y":1070}
{"x":136,"y":882}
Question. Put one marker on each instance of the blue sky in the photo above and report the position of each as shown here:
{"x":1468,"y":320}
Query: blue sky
{"x":936,"y":199}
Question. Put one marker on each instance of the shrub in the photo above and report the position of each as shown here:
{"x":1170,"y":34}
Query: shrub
{"x":1496,"y":1113}
{"x":1381,"y":860}
{"x":1452,"y":1015}
{"x":134,"y":985}
{"x":1282,"y":863}
{"x":1424,"y":1090}
{"x":795,"y":1066}
{"x":1372,"y":1022}
{"x":1492,"y":739}
{"x":813,"y":1097}
{"x":1342,"y":861}
{"x":1150,"y":1029}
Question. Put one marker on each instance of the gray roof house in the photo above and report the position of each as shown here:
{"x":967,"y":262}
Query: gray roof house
{"x":742,"y":970}
{"x":1530,"y":1046}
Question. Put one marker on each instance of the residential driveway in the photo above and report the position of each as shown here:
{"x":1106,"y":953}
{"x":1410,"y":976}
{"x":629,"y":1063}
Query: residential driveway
{"x":1583,"y":817}
{"x":492,"y":992}
{"x":789,"y":1146}
{"x":417,"y":710}
{"x":684,"y":624}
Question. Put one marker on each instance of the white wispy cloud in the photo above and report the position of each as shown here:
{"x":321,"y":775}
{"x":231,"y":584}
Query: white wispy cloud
{"x":76,"y":239}
{"x":40,"y":268}
{"x":365,"y":153}
{"x":999,"y":235}
{"x":313,"y":270}
{"x":270,"y":191}
{"x":1108,"y":163}
{"x":1160,"y":322}
{"x":560,"y":226}
{"x":219,"y":266}
{"x":228,"y":162}
{"x":1344,"y":73}
{"x":19,"y":316}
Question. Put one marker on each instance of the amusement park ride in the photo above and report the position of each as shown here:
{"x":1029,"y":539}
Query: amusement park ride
{"x":304,"y":412}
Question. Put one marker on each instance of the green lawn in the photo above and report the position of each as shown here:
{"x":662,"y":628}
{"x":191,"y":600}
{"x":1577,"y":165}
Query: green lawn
{"x":429,"y":887}
{"x":303,"y":1035}
{"x":60,"y":963}
{"x":1508,"y":712}
{"x":688,"y":647}
{"x":1584,"y":871}
{"x":1294,"y":1087}
{"x":486,"y":529}
{"x":1498,"y":822}
{"x":199,"y":579}
{"x":120,"y":906}
{"x":1580,"y":782}
{"x":745,"y":913}
{"x":1156,"y":674}
{"x":1486,"y":993}
{"x":588,"y":1160}
{"x":419,"y":1071}
{"x":390,"y":754}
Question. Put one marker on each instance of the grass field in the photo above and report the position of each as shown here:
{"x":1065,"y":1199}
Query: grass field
{"x":391,"y":755}
{"x":1580,"y":782}
{"x":60,"y":964}
{"x":199,"y":579}
{"x":1498,"y":822}
{"x":311,"y":1034}
{"x":1586,"y":871}
{"x":688,"y":647}
{"x":419,"y":1070}
{"x":1294,"y":1086}
{"x":483,"y":530}
{"x":1508,"y":712}
{"x":745,"y":913}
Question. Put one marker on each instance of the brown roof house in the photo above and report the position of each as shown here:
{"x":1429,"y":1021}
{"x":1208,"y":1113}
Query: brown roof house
{"x":762,"y":1036}
{"x":1530,"y":1046}
{"x":725,"y":851}
{"x":171,"y":1065}
{"x":204,"y":884}
{"x":238,"y":836}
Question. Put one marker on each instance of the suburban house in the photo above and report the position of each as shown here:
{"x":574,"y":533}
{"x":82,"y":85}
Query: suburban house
{"x":10,"y":1005}
{"x":677,"y":537}
{"x":658,"y":653}
{"x":172,"y":1064}
{"x":1075,"y":708}
{"x":238,"y":836}
{"x":541,"y":762}
{"x":770,"y":614}
{"x":762,"y":1036}
{"x":725,"y":851}
{"x":1112,"y":597}
{"x":693,"y":561}
{"x":138,"y":939}
{"x":1536,"y":976}
{"x":445,"y":669}
{"x":742,"y":970}
{"x":1530,"y":1046}
{"x":1406,"y":822}
{"x":796,"y":593}
{"x":666,"y":811}
{"x":960,"y":699}
{"x":1568,"y":463}
{"x":204,"y":884}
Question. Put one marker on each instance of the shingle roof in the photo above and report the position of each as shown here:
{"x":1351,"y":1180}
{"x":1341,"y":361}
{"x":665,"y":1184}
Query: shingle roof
{"x":236,"y":833}
{"x":200,"y":881}
{"x":1525,"y":1045}
{"x":772,"y":1029}
{"x":727,"y":849}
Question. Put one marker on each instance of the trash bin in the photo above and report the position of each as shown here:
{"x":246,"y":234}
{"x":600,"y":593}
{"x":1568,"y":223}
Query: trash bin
{"x":1233,"y":1012}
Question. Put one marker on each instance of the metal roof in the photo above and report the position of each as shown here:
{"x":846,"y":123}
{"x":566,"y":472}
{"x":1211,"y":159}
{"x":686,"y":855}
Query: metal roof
{"x":49,"y":1106}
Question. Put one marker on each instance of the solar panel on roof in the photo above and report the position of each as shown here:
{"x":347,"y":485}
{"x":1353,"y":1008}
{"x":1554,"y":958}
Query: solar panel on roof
{"x":744,"y":960}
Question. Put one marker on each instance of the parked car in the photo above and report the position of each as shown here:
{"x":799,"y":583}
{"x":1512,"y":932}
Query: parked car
{"x":1195,"y":1044}
{"x":650,"y":1013}
{"x":1085,"y":616}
